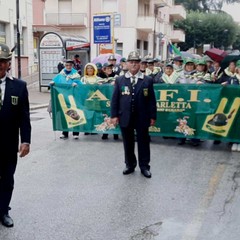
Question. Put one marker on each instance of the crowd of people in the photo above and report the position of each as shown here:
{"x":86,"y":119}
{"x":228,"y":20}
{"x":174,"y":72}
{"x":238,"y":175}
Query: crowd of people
{"x":173,"y":71}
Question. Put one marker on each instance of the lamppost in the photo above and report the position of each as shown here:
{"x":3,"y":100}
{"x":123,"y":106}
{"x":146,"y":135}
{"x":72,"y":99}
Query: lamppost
{"x":225,"y":32}
{"x":156,"y":7}
{"x":194,"y":34}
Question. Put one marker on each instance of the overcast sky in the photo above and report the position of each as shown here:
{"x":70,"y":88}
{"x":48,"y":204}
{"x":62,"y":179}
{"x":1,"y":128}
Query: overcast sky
{"x":233,"y":9}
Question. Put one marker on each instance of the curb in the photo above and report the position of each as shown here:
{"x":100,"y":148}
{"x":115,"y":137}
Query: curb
{"x":38,"y":106}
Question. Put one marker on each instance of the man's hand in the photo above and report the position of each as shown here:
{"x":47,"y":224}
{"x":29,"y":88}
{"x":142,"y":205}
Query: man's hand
{"x":115,"y":121}
{"x":152,"y":122}
{"x":24,"y":149}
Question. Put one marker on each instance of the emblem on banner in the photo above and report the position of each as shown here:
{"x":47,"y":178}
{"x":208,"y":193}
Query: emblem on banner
{"x":220,"y":122}
{"x":14,"y":100}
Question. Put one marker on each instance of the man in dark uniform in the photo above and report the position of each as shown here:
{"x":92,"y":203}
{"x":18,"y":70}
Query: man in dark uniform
{"x":133,"y":106}
{"x":116,"y":68}
{"x":14,"y":119}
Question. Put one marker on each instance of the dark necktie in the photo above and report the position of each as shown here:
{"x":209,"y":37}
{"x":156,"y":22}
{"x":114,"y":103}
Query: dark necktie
{"x":133,"y":81}
{"x":0,"y":95}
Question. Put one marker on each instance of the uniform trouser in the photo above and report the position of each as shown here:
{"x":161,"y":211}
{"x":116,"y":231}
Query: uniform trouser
{"x":143,"y":142}
{"x":74,"y":134}
{"x":8,"y":165}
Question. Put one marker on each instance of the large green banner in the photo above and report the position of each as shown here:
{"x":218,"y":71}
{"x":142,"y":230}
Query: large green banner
{"x":183,"y":110}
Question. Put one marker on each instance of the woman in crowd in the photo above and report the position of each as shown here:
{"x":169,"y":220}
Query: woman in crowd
{"x":216,"y":75}
{"x":108,"y":75}
{"x":191,"y":77}
{"x":201,"y":75}
{"x":188,"y":71}
{"x":68,"y":75}
{"x":90,"y":74}
{"x":229,"y":75}
{"x":170,"y":76}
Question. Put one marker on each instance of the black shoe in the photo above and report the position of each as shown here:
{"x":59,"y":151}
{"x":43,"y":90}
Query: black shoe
{"x":216,"y":142}
{"x":182,"y":142}
{"x":127,"y":171}
{"x":146,"y":173}
{"x":63,"y":137}
{"x":7,"y":221}
{"x":104,"y":136}
{"x":195,"y":144}
{"x":115,"y":136}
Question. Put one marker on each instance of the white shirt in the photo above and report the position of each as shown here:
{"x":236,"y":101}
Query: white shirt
{"x":138,"y":75}
{"x":3,"y":84}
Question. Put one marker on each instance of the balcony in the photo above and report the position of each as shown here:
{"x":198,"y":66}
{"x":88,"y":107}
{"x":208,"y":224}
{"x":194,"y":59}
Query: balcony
{"x":177,"y":12}
{"x":66,"y":19}
{"x":145,"y":23}
{"x":177,"y":36}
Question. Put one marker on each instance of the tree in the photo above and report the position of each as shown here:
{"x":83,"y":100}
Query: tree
{"x":205,"y":5}
{"x":200,"y":28}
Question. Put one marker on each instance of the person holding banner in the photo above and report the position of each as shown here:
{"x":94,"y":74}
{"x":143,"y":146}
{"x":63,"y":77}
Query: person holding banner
{"x":133,"y":107}
{"x":68,"y":75}
{"x":14,"y":122}
{"x":90,"y":74}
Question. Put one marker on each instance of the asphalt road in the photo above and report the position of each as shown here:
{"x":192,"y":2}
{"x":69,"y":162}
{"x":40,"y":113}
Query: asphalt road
{"x":75,"y":190}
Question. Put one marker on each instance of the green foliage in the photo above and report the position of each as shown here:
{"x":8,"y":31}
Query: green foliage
{"x":217,"y":29}
{"x":204,"y":5}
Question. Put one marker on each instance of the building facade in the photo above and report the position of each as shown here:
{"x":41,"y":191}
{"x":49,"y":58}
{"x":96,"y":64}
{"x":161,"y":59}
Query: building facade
{"x":143,"y":25}
{"x":8,"y":33}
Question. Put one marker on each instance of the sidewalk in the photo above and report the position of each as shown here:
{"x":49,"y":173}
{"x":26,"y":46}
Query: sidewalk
{"x":38,"y":99}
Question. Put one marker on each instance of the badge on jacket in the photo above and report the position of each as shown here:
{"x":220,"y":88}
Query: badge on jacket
{"x":125,"y":90}
{"x":145,"y":92}
{"x":14,"y":100}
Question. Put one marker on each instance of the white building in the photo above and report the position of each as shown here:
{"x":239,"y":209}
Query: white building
{"x":138,"y":21}
{"x":8,"y":32}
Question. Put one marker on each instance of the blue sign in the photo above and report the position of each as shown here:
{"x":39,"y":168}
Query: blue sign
{"x":102,"y":29}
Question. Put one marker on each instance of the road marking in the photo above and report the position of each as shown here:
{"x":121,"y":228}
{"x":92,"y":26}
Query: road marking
{"x":193,"y":228}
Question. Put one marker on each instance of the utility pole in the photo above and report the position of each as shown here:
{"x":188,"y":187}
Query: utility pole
{"x":18,"y":39}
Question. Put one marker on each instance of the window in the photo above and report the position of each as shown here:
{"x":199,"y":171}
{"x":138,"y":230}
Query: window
{"x":119,"y":48}
{"x":139,"y":46}
{"x":65,"y":12}
{"x":2,"y":33}
{"x":144,"y":8}
{"x":145,"y":48}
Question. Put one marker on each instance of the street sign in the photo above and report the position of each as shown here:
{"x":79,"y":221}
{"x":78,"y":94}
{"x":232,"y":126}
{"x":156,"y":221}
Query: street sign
{"x":117,"y":20}
{"x":102,"y":29}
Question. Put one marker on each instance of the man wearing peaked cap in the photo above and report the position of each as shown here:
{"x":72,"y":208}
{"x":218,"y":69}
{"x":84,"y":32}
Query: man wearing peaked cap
{"x":123,"y":60}
{"x":133,"y":106}
{"x":178,"y":64}
{"x":112,"y":57}
{"x":14,"y":121}
{"x":112,"y":60}
{"x":5,"y":53}
{"x":134,"y":56}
